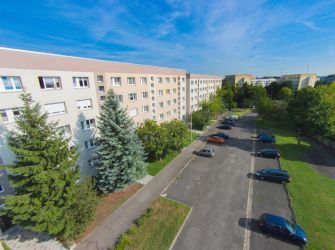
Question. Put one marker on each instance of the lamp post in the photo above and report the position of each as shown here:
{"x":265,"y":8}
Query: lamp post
{"x":191,"y":124}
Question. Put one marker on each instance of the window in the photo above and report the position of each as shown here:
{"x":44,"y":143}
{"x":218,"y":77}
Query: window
{"x":120,"y":97}
{"x":100,"y":78}
{"x":89,"y":144}
{"x":55,"y":108}
{"x":3,"y":116}
{"x":161,"y":116}
{"x":80,"y":82}
{"x":101,"y":98}
{"x":161,"y":104}
{"x":183,"y":79}
{"x":132,"y":97}
{"x":87,"y":124}
{"x":144,"y":95}
{"x":84,"y":104}
{"x":145,"y":108}
{"x":131,"y":80}
{"x":160,"y":80}
{"x":143,"y":80}
{"x":174,"y":80}
{"x":116,"y":81}
{"x":174,"y":91}
{"x":49,"y":82}
{"x":160,"y":92}
{"x":2,"y":189}
{"x":152,"y":78}
{"x":101,"y":89}
{"x":168,"y":103}
{"x":66,"y":130}
{"x":167,"y":80}
{"x":175,"y":111}
{"x":184,"y":89}
{"x":167,"y":91}
{"x":132,"y":112}
{"x":168,"y":113}
{"x":10,"y":83}
{"x":174,"y":101}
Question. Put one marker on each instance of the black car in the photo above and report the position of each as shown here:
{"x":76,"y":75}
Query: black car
{"x":268,"y":153}
{"x":225,"y":126}
{"x":281,"y":227}
{"x":222,"y":135}
{"x":265,"y":134}
{"x":273,"y":174}
{"x":208,"y":152}
{"x":228,"y":121}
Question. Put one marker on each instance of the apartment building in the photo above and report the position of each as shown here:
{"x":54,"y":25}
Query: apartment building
{"x":199,"y":88}
{"x":264,"y":81}
{"x":71,"y":89}
{"x":301,"y":81}
{"x":239,"y":79}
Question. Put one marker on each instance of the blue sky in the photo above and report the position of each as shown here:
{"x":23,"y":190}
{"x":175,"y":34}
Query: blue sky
{"x":201,"y":36}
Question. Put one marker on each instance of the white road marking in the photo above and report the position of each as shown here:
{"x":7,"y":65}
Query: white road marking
{"x":246,"y":240}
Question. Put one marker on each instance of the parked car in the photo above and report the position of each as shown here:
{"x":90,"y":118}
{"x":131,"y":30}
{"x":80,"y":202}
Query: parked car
{"x":269,"y":153}
{"x":267,"y":138}
{"x":225,"y":126}
{"x":228,"y":121}
{"x":222,"y":135}
{"x":233,"y":117}
{"x":215,"y":139}
{"x":265,"y":134}
{"x":208,"y":152}
{"x":273,"y":174}
{"x":281,"y":227}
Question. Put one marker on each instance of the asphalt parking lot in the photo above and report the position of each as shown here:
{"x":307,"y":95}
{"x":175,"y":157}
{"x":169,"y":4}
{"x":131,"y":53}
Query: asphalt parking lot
{"x":217,"y":189}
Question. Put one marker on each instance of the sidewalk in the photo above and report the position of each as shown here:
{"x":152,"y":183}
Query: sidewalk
{"x":106,"y":234}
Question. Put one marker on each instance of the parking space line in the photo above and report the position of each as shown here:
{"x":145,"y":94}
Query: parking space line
{"x":246,"y":240}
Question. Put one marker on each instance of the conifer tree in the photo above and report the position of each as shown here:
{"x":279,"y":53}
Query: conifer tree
{"x":119,"y":153}
{"x":43,"y":175}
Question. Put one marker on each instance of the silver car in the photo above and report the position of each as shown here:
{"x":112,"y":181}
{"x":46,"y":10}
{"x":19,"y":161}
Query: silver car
{"x":208,"y":152}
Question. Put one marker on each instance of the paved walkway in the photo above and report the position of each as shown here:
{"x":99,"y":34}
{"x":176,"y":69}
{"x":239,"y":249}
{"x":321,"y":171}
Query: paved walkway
{"x":106,"y":234}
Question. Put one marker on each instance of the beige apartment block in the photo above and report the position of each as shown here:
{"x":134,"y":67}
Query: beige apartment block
{"x":71,"y":89}
{"x":199,"y":88}
{"x":239,"y":79}
{"x":301,"y":81}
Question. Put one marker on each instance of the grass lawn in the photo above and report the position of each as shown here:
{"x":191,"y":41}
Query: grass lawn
{"x":312,"y":194}
{"x":240,"y":112}
{"x":157,"y":228}
{"x":107,"y":205}
{"x":155,"y":167}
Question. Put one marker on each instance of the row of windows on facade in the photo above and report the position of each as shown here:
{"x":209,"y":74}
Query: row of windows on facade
{"x":116,"y":81}
{"x":13,"y":83}
{"x":204,"y":81}
{"x":202,"y":89}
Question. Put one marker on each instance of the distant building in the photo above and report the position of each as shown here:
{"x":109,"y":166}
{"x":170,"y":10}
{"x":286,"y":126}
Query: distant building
{"x":330,"y":78}
{"x":239,"y":79}
{"x":300,"y":81}
{"x":264,"y":81}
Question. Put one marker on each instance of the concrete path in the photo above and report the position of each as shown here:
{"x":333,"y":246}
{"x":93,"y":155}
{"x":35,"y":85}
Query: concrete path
{"x":105,"y":235}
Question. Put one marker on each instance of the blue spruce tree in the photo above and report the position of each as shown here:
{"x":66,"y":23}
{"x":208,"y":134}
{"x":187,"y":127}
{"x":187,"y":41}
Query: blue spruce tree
{"x":119,"y":153}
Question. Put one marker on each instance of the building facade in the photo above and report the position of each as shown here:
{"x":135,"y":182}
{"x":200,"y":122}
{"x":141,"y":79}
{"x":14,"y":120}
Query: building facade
{"x":300,"y":81}
{"x":199,"y":88}
{"x":71,"y":90}
{"x":264,"y":81}
{"x":239,"y":79}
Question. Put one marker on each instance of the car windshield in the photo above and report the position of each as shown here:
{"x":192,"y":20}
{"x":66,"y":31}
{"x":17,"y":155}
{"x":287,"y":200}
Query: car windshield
{"x":289,"y":226}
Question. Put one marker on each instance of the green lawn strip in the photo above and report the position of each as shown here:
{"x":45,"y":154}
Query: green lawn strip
{"x":5,"y":246}
{"x":154,"y":167}
{"x":157,"y":228}
{"x":312,"y":194}
{"x":240,"y":112}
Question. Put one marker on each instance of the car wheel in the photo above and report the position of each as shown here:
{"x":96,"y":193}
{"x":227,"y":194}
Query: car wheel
{"x":283,"y":182}
{"x":262,"y":178}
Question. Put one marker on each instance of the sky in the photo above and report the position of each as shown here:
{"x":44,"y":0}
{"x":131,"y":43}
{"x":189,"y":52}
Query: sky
{"x":201,"y":36}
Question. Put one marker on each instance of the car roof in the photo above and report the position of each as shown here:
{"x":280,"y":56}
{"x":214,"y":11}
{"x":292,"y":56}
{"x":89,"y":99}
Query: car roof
{"x":269,"y":149}
{"x":209,"y":149}
{"x":275,"y":170}
{"x":275,"y":219}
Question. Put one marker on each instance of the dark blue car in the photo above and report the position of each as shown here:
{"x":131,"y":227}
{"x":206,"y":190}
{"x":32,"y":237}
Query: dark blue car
{"x":268,"y":153}
{"x":273,"y":174}
{"x":281,"y":227}
{"x":225,"y":126}
{"x":222,"y":135}
{"x":267,"y":138}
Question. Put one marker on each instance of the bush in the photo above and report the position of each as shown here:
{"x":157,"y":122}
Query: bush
{"x":199,"y":119}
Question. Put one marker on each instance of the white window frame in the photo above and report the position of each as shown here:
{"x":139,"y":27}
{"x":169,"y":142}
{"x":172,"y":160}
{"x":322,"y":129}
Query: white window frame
{"x":160,"y":80}
{"x":161,"y":104}
{"x":167,"y":91}
{"x":89,"y":144}
{"x":133,"y":112}
{"x":102,"y":99}
{"x":100,"y":80}
{"x":131,"y":81}
{"x":145,"y":109}
{"x":145,"y":95}
{"x":61,"y":112}
{"x":84,"y":107}
{"x":2,"y":120}
{"x":161,"y":116}
{"x":11,"y":81}
{"x":66,"y":129}
{"x":56,"y":81}
{"x":144,"y":80}
{"x":116,"y":81}
{"x":120,"y":98}
{"x":101,"y":91}
{"x":160,"y":92}
{"x":80,"y":82}
{"x":87,"y":124}
{"x":167,"y":80}
{"x":132,"y":97}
